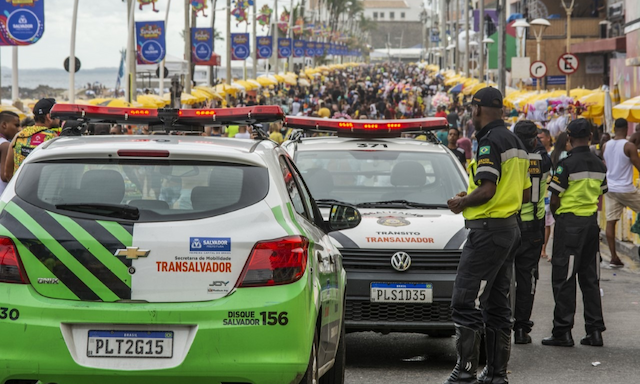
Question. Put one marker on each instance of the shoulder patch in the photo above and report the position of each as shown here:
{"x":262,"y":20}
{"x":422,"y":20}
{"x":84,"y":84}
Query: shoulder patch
{"x":485,"y":150}
{"x":559,"y":170}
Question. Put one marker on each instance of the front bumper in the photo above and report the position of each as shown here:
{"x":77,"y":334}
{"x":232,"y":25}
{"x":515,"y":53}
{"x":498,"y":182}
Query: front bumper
{"x":45,"y":342}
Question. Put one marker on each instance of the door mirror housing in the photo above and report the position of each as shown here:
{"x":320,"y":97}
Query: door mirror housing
{"x":343,"y":217}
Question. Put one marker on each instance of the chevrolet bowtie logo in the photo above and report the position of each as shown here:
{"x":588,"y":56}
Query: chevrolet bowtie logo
{"x":132,"y":252}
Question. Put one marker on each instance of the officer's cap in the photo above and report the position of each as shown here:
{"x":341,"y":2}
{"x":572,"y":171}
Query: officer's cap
{"x":488,"y":97}
{"x":525,"y":129}
{"x":579,"y":128}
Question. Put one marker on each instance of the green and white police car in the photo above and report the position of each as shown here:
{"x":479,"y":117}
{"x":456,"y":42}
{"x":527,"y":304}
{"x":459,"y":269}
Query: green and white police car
{"x":168,"y":259}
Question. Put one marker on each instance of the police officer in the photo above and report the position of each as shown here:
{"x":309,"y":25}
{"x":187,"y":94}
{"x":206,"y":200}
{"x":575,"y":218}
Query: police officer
{"x":532,"y":230}
{"x":576,"y":185}
{"x":498,"y":184}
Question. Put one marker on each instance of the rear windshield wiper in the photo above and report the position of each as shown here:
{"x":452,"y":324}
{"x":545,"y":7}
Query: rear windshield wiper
{"x":121,"y":211}
{"x":329,"y":202}
{"x":403,"y":203}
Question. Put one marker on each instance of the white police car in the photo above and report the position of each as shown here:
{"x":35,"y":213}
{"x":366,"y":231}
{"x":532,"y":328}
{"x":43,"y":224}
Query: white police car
{"x":166,"y":259}
{"x":401,"y":261}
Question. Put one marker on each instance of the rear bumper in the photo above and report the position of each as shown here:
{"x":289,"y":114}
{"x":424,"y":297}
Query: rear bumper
{"x":363,"y":315}
{"x":37,"y":346}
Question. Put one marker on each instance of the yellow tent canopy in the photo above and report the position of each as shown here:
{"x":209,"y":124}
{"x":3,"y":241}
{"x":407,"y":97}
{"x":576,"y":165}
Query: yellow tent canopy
{"x":629,"y":110}
{"x":594,"y":103}
{"x":13,"y":109}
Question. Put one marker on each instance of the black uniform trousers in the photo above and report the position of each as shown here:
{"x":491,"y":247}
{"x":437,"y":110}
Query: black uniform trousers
{"x":483,"y":281}
{"x":576,"y":252}
{"x":526,"y":261}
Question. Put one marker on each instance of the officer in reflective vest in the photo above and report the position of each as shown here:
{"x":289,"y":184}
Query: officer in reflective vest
{"x":576,"y":185}
{"x":498,"y":184}
{"x":531,"y":229}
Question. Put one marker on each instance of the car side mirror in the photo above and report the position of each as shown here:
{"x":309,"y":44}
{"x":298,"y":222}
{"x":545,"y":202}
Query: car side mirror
{"x":343,"y":217}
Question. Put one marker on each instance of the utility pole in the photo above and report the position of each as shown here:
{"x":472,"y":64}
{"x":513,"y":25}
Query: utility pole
{"x":72,"y":55}
{"x":255,"y":41}
{"x":456,"y":29}
{"x":213,"y":39}
{"x":166,"y":22}
{"x":481,"y":57}
{"x":274,"y":23}
{"x":130,"y":91}
{"x":187,"y":45}
{"x":228,"y":42}
{"x":290,"y":34}
{"x":467,"y":57}
{"x":443,"y":31}
{"x":569,"y":10}
{"x":502,"y":46}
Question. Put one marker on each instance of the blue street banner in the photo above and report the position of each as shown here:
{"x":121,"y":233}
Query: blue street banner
{"x":319,"y":49}
{"x":21,"y":21}
{"x":327,"y":48}
{"x":310,"y":48}
{"x":202,"y":47}
{"x":284,"y":48}
{"x":150,"y":42}
{"x":240,"y":48}
{"x":298,"y":48}
{"x":265,"y":46}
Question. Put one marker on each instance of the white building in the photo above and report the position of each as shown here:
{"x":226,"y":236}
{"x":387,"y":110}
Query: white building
{"x":392,"y":10}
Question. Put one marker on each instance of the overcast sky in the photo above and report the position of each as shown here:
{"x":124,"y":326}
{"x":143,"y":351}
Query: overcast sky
{"x":102,"y":32}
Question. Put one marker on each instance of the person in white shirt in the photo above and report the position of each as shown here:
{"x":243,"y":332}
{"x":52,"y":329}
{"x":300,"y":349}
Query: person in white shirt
{"x":620,"y":156}
{"x":9,"y":127}
{"x":243,"y":133}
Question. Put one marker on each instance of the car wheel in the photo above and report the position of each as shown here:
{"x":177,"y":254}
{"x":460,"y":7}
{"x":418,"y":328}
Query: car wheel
{"x":311,"y":376}
{"x":336,"y":374}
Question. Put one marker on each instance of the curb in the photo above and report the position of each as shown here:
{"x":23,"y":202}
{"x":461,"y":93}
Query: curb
{"x":624,"y":247}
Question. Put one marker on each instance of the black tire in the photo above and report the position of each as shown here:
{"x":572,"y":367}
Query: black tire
{"x":311,"y":376}
{"x":336,"y":374}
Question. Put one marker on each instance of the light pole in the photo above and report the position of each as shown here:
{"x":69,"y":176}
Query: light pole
{"x":569,"y":10}
{"x":486,"y":41}
{"x":520,"y":25}
{"x":423,"y":19}
{"x":538,"y":26}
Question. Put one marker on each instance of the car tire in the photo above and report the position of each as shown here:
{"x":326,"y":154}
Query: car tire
{"x":311,"y":375}
{"x":336,"y":374}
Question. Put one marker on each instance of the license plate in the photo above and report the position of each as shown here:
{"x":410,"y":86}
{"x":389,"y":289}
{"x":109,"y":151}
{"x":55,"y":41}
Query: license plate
{"x":131,"y":344}
{"x":401,"y":293}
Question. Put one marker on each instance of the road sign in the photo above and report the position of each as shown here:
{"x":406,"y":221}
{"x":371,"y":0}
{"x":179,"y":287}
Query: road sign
{"x":538,"y":69}
{"x":67,"y":64}
{"x":568,"y":63}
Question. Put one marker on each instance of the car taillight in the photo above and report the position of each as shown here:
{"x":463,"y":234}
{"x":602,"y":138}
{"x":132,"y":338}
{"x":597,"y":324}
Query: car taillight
{"x":276,"y":262}
{"x":11,"y":269}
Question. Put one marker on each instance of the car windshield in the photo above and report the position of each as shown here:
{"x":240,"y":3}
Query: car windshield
{"x":159,"y":190}
{"x":381,"y":177}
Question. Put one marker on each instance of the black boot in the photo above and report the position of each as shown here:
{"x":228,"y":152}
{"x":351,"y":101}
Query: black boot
{"x":468,"y":349}
{"x":498,"y":353}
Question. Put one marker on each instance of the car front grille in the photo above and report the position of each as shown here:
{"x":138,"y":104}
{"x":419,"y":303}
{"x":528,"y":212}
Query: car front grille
{"x":396,"y":312}
{"x":442,"y":259}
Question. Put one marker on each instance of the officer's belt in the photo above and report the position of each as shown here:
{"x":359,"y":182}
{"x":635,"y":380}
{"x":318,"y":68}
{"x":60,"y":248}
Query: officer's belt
{"x":492,"y":223}
{"x":533,"y":225}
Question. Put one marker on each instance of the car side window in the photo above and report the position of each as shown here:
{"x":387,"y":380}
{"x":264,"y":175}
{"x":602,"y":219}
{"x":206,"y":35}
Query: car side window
{"x":305,"y":193}
{"x":292,"y":188}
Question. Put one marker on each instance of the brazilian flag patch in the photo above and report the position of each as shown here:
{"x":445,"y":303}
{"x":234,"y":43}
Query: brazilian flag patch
{"x":559,"y":170}
{"x":485,"y":150}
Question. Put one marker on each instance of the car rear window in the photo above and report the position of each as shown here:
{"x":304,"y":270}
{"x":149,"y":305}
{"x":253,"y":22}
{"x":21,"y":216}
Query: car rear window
{"x":159,"y":190}
{"x":371,"y":176}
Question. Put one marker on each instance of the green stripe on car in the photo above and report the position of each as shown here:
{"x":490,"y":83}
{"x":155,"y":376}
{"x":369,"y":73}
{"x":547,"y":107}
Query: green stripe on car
{"x":118,"y":231}
{"x":279,"y":215}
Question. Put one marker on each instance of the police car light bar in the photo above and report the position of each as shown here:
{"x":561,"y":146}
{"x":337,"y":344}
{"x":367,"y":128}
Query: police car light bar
{"x":170,"y":119}
{"x":366,"y":128}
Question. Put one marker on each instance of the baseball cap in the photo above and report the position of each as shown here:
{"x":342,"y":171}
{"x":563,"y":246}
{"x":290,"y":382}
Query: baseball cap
{"x":579,"y":128}
{"x":525,"y":129}
{"x":488,"y":97}
{"x":43,"y":106}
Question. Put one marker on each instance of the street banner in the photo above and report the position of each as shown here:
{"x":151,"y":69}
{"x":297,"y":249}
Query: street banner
{"x":150,"y":42}
{"x":319,"y":49}
{"x":240,"y":48}
{"x":21,"y":21}
{"x":264,"y":45}
{"x":298,"y":48}
{"x":310,"y":48}
{"x":327,"y":48}
{"x":202,"y":47}
{"x":284,"y":48}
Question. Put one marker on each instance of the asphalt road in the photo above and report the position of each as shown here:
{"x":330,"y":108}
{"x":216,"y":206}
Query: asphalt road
{"x":415,"y":358}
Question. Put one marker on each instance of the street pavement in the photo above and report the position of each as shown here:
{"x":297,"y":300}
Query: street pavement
{"x":415,"y":358}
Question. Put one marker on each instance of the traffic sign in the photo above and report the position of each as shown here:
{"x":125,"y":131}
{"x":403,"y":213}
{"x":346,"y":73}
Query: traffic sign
{"x":67,"y":64}
{"x":568,"y":63}
{"x":538,"y":69}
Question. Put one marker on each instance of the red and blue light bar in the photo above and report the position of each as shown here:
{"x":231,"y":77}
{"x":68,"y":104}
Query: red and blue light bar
{"x":366,"y":128}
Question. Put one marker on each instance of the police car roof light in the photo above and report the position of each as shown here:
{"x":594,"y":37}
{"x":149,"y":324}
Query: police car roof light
{"x":366,"y":128}
{"x":169,"y":119}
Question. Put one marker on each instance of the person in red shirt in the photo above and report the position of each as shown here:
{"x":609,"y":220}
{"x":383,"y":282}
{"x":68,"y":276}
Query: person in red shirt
{"x":440,"y":112}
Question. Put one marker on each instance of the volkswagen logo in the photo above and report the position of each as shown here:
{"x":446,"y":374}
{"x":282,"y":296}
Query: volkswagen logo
{"x":400,"y":261}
